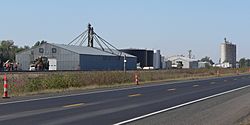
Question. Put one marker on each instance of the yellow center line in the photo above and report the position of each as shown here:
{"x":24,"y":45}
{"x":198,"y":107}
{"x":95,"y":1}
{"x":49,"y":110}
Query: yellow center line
{"x":73,"y":105}
{"x":212,"y":83}
{"x":195,"y":85}
{"x":134,"y":95}
{"x":172,"y":89}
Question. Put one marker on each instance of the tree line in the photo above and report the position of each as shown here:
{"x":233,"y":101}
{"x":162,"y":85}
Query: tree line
{"x":244,"y":62}
{"x":8,"y":49}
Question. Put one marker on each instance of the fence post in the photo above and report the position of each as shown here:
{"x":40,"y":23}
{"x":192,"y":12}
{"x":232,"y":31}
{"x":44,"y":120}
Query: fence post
{"x":218,"y":72}
{"x":136,"y":79}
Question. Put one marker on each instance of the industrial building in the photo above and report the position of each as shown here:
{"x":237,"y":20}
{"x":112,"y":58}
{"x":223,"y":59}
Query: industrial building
{"x":180,"y":61}
{"x":228,"y":54}
{"x":203,"y":65}
{"x":147,"y":59}
{"x":144,"y":57}
{"x":71,"y":57}
{"x":77,"y":57}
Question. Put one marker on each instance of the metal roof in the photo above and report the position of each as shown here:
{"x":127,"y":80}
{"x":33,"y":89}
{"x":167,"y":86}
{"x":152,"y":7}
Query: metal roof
{"x":135,"y":49}
{"x":90,"y":51}
{"x":173,"y":58}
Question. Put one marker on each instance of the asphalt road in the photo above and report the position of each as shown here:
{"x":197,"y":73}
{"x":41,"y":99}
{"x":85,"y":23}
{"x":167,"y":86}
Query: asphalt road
{"x":136,"y":105}
{"x":229,"y":109}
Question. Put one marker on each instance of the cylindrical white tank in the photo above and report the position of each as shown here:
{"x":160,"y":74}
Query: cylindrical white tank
{"x":157,"y":59}
{"x":228,"y":53}
{"x":163,"y":63}
{"x":223,"y":52}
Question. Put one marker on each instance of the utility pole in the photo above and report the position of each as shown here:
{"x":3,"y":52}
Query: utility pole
{"x":189,"y":54}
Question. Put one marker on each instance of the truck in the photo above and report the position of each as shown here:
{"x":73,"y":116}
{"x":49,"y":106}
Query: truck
{"x":10,"y":66}
{"x":40,"y":64}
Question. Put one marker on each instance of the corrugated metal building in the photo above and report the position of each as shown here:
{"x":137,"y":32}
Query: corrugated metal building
{"x":70,"y":57}
{"x":186,"y":62}
{"x":144,"y":56}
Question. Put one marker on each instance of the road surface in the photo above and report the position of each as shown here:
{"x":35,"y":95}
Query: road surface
{"x":190,"y":102}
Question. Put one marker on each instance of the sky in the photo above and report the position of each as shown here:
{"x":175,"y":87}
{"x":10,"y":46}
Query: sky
{"x":173,"y":26}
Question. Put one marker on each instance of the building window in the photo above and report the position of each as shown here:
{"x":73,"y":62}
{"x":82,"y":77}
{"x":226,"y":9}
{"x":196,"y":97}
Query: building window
{"x":53,"y":50}
{"x":41,"y":50}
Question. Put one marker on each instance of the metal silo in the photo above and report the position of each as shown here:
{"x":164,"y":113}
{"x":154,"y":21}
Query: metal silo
{"x":157,"y":59}
{"x":228,"y":53}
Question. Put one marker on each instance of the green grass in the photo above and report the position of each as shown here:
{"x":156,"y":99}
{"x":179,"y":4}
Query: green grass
{"x":33,"y":83}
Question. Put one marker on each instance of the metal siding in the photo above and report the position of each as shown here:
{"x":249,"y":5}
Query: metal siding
{"x":186,"y":64}
{"x":150,"y":58}
{"x":194,"y":65}
{"x":91,"y":51}
{"x":140,"y":54}
{"x":131,"y":63}
{"x":157,"y":59}
{"x":144,"y":57}
{"x":66,"y":60}
{"x":24,"y":61}
{"x":92,"y":62}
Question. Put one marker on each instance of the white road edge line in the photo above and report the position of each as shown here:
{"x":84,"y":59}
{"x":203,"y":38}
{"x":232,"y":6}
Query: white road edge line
{"x":113,"y":90}
{"x":181,"y":105}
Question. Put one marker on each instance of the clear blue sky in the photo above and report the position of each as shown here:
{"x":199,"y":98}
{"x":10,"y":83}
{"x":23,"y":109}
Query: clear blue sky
{"x":173,"y":26}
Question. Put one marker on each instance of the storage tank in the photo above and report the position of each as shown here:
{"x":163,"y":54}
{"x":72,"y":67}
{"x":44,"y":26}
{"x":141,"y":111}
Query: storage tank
{"x":228,"y":53}
{"x":157,"y":59}
{"x":163,"y":63}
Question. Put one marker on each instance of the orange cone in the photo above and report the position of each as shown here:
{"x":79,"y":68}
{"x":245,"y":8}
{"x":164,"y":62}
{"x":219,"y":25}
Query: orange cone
{"x":5,"y":86}
{"x":136,"y":79}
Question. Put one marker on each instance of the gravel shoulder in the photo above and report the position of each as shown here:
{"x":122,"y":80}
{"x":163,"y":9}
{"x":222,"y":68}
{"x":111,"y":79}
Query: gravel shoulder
{"x":229,"y":109}
{"x":244,"y":120}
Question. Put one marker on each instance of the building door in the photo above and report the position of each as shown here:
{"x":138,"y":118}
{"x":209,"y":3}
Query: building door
{"x":52,"y":64}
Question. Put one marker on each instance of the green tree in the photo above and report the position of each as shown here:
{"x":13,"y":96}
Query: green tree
{"x":22,"y":49}
{"x":26,"y":47}
{"x":38,"y":43}
{"x":207,"y":59}
{"x":242,"y":62}
{"x":8,"y":50}
{"x":247,"y":63}
{"x":42,"y":42}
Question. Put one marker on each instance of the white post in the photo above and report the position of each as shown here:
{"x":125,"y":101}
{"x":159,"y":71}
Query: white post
{"x":124,"y":62}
